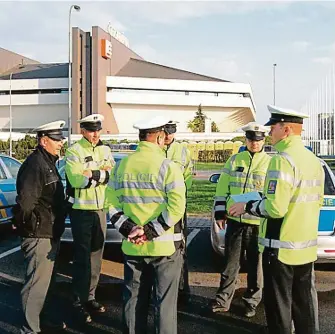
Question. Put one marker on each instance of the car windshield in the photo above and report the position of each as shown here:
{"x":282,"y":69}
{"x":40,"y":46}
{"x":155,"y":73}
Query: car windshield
{"x":329,"y":185}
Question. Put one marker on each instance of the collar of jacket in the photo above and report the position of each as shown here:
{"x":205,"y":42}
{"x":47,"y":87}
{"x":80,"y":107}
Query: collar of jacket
{"x":147,"y":146}
{"x":250,"y":154}
{"x":85,"y":143}
{"x":167,"y":147}
{"x":288,"y":142}
{"x":52,"y":158}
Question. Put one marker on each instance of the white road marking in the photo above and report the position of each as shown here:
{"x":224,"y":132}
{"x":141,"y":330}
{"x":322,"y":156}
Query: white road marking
{"x":7,"y":276}
{"x":9,"y":252}
{"x":11,"y":278}
{"x":191,"y":236}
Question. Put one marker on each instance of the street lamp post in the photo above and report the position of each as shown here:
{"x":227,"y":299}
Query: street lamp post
{"x":10,"y":116}
{"x":77,"y":8}
{"x":274,"y":84}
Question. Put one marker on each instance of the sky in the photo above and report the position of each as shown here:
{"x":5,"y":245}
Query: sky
{"x":232,"y":40}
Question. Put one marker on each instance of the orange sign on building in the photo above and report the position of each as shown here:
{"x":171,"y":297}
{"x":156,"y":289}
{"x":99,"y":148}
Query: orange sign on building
{"x":106,"y":49}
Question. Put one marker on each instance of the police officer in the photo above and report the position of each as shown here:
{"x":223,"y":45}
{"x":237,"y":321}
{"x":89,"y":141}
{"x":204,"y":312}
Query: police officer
{"x":88,"y":166}
{"x":182,"y":157}
{"x":39,"y":216}
{"x":146,"y":200}
{"x":242,"y":173}
{"x":293,"y":195}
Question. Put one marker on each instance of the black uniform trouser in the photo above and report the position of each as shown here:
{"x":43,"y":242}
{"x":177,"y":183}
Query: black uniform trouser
{"x":39,"y":260}
{"x":89,"y":232}
{"x":241,"y":238}
{"x":287,"y":296}
{"x":184,"y":286}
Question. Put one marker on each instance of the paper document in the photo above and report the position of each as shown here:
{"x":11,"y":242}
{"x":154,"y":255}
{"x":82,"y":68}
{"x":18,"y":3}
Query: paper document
{"x":252,"y":196}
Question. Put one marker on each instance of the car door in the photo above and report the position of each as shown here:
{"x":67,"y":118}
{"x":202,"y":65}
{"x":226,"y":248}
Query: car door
{"x":9,"y":168}
{"x":327,"y":213}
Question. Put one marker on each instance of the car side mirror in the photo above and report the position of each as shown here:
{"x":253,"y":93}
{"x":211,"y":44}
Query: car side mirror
{"x":214,"y":178}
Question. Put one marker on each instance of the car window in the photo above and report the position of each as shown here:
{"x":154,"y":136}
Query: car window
{"x":2,"y":174}
{"x":12,"y":165}
{"x":329,"y":185}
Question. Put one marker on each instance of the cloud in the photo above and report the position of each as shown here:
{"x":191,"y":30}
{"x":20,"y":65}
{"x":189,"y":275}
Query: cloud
{"x":40,"y":29}
{"x":146,"y":51}
{"x":323,"y":60}
{"x":300,"y":46}
{"x":179,"y":11}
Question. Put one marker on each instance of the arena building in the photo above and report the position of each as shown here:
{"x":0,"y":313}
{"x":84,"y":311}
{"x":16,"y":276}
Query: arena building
{"x":111,"y":79}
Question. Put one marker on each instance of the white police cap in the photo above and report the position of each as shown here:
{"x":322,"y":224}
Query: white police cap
{"x":52,"y":130}
{"x":253,"y":126}
{"x":255,"y":131}
{"x":92,"y":122}
{"x":152,"y":123}
{"x":284,"y":115}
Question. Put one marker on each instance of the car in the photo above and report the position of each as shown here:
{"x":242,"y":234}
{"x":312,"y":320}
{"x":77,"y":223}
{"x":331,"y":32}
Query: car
{"x":9,"y":167}
{"x":326,"y":230}
{"x":112,"y":235}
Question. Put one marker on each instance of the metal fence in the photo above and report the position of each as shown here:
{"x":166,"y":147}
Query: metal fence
{"x":319,"y":128}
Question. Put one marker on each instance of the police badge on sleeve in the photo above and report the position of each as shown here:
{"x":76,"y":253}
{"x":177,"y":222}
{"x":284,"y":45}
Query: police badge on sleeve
{"x":272,"y":187}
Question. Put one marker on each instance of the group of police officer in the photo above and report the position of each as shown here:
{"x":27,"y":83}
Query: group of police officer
{"x":145,"y":195}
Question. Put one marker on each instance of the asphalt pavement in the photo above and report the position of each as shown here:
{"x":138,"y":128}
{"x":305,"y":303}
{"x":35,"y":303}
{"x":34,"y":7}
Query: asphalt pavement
{"x":192,"y":318}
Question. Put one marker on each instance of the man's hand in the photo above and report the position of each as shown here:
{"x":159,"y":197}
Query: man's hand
{"x":221,"y":223}
{"x":137,"y":236}
{"x":237,"y":209}
{"x":87,"y":173}
{"x":106,"y":168}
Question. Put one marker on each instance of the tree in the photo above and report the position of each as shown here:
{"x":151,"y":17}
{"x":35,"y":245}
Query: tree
{"x":214,"y":127}
{"x":198,"y":122}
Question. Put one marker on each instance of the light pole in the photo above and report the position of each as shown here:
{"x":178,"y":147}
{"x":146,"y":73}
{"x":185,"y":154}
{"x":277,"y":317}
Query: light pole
{"x":274,"y":84}
{"x":77,"y":8}
{"x":10,"y":116}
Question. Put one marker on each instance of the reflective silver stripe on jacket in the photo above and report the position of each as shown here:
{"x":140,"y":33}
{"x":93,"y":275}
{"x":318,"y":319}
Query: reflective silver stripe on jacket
{"x":120,"y":221}
{"x":272,"y":243}
{"x":226,"y":171}
{"x":279,"y":175}
{"x":114,"y":211}
{"x":167,"y":219}
{"x":87,"y":202}
{"x":141,"y":200}
{"x":162,"y":172}
{"x":72,"y":158}
{"x":241,"y":185}
{"x":102,"y":176}
{"x":293,"y":165}
{"x":135,"y":185}
{"x":305,"y":198}
{"x":249,"y":217}
{"x":183,"y":156}
{"x":262,"y":208}
{"x":170,"y":237}
{"x":173,"y":185}
{"x":158,"y":227}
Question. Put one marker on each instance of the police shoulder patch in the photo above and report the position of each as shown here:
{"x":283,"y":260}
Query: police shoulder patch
{"x":272,"y":187}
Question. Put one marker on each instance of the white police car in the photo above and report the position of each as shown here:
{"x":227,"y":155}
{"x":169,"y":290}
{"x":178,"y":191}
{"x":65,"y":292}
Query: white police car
{"x":326,"y":232}
{"x":9,"y":168}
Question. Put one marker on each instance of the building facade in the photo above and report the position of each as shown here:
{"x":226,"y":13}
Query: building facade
{"x":111,"y":79}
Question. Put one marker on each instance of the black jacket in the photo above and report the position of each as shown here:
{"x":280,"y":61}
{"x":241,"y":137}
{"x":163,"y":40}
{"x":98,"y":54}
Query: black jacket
{"x":40,"y":209}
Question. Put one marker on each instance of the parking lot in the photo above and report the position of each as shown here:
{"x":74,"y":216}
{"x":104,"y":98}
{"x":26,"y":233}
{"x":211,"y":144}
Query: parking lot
{"x":194,"y":317}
